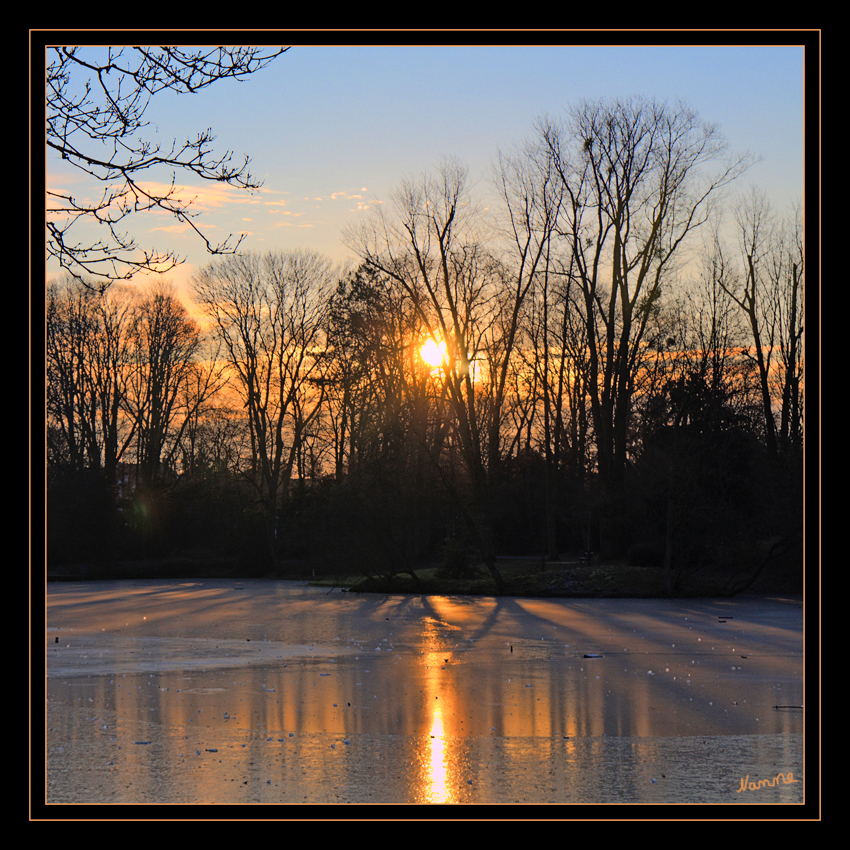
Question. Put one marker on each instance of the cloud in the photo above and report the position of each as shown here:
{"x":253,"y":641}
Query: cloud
{"x":204,"y":197}
{"x":177,"y":228}
{"x":193,"y":199}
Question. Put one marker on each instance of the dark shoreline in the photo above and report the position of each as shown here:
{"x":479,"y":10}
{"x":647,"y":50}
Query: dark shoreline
{"x":522,"y":577}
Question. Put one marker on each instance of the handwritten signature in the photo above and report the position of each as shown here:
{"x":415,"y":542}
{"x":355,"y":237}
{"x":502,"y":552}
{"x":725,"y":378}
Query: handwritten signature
{"x":783,"y":778}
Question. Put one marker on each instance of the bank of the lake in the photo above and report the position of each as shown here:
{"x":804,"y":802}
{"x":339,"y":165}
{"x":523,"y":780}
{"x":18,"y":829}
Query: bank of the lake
{"x":521,"y":576}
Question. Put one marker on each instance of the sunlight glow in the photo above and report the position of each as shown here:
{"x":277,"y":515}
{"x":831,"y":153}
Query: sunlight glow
{"x":433,"y":353}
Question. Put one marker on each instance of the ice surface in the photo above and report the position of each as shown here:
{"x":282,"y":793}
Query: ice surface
{"x":242,"y":694}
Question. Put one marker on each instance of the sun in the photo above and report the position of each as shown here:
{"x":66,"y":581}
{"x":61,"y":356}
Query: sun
{"x":433,"y":353}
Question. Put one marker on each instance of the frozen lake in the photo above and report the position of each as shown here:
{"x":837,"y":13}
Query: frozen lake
{"x":261,"y":692}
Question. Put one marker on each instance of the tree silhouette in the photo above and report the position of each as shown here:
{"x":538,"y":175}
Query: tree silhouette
{"x":635,"y":188}
{"x":268,"y":312}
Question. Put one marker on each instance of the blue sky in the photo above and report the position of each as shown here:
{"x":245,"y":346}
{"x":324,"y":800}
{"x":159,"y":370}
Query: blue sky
{"x":332,"y":130}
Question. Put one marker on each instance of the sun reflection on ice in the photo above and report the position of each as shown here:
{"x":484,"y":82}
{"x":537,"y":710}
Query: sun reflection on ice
{"x":437,"y":789}
{"x":439,"y":750}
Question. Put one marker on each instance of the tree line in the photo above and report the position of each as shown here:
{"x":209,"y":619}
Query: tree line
{"x":618,"y":369}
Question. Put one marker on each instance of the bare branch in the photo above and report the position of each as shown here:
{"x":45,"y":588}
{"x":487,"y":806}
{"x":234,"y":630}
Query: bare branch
{"x":95,"y":121}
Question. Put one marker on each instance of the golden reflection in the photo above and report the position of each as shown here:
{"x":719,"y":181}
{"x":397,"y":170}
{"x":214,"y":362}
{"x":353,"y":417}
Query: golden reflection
{"x":437,"y":789}
{"x":438,"y":757}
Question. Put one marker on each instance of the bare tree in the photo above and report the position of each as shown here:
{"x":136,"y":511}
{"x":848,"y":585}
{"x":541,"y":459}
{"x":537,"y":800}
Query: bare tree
{"x":165,"y":342}
{"x":371,"y":334}
{"x":635,"y":183}
{"x":554,"y":351}
{"x":206,"y":376}
{"x":430,"y":249}
{"x":269,"y":314}
{"x":87,"y":356}
{"x":531,"y":194}
{"x":693,"y":400}
{"x":789,"y":282}
{"x":768,"y":288}
{"x":96,"y":100}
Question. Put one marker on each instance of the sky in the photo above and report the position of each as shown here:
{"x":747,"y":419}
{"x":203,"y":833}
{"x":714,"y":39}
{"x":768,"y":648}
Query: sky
{"x":333,"y":130}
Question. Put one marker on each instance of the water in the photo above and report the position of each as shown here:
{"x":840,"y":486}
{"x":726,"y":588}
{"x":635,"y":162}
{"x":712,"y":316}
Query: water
{"x":221,"y":692}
